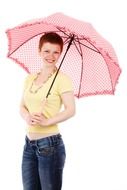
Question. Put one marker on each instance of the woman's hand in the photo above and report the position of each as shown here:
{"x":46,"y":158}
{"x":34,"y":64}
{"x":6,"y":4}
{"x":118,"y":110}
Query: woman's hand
{"x":28,"y":118}
{"x":38,"y":119}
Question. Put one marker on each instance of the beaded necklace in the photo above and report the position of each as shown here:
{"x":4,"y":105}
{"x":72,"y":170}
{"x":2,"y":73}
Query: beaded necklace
{"x":37,"y":89}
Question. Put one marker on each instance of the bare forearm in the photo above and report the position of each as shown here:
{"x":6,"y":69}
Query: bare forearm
{"x":60,"y":117}
{"x":69,"y":109}
{"x":24,"y":112}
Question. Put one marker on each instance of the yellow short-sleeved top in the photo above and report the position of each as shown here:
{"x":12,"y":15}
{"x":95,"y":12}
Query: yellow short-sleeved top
{"x":33,"y":101}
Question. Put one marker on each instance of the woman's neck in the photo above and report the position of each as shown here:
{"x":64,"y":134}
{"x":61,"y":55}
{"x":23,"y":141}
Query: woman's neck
{"x":46,"y":73}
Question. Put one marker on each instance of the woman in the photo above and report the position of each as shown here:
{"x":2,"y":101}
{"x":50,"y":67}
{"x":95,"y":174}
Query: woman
{"x":44,"y":151}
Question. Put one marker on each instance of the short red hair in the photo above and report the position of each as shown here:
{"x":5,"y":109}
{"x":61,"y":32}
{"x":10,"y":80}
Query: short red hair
{"x":51,"y":37}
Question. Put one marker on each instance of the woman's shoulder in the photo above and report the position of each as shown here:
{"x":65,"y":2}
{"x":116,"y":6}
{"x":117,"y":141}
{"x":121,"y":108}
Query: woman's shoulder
{"x":64,"y":79}
{"x":30,"y":77}
{"x":64,"y":83}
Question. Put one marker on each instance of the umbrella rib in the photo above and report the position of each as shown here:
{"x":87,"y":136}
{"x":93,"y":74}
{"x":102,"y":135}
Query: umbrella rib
{"x":80,"y":47}
{"x":103,"y":58}
{"x":97,"y":51}
{"x":63,"y":31}
{"x":81,"y":67}
{"x":67,"y":40}
{"x":80,"y":42}
{"x":77,"y":48}
{"x":68,"y":36}
{"x":27,"y":41}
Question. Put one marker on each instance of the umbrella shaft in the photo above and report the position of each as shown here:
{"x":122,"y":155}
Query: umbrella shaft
{"x":71,"y":40}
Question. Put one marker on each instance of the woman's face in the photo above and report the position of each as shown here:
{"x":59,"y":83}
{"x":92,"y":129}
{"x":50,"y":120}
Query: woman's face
{"x":50,"y":53}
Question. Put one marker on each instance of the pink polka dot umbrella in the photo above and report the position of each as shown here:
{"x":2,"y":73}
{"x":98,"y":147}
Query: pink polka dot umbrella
{"x":87,"y":57}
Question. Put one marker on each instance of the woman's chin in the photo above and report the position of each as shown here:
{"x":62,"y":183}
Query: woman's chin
{"x":50,"y":64}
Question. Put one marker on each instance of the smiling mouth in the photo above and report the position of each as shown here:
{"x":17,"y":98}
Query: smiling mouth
{"x":50,"y":61}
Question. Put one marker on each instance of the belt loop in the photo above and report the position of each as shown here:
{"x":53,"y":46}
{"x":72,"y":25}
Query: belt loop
{"x":36,"y":143}
{"x":50,"y":141}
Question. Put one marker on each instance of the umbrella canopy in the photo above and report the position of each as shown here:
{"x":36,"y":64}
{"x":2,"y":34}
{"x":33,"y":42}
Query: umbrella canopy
{"x":90,"y":60}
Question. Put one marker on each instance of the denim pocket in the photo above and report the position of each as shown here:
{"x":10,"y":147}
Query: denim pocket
{"x":46,"y":151}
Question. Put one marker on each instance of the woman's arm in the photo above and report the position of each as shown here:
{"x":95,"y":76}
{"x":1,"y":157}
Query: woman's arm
{"x":23,"y":110}
{"x":69,"y":111}
{"x":25,"y":113}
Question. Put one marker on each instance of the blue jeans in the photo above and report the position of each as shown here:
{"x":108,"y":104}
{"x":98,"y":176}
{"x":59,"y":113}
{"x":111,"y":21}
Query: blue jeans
{"x":43,"y":163}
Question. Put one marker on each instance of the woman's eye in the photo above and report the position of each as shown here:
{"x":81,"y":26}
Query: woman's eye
{"x":56,"y":52}
{"x":46,"y":51}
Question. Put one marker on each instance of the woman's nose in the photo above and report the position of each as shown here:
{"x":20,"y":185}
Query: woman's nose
{"x":51,"y":55}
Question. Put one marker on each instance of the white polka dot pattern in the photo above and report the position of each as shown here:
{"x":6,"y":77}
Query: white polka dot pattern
{"x":90,"y":62}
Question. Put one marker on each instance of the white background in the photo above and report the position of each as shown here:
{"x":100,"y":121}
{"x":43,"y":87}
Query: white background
{"x":96,"y":138}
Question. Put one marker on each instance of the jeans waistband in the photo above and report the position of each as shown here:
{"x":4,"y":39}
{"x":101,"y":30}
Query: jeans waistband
{"x":51,"y":140}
